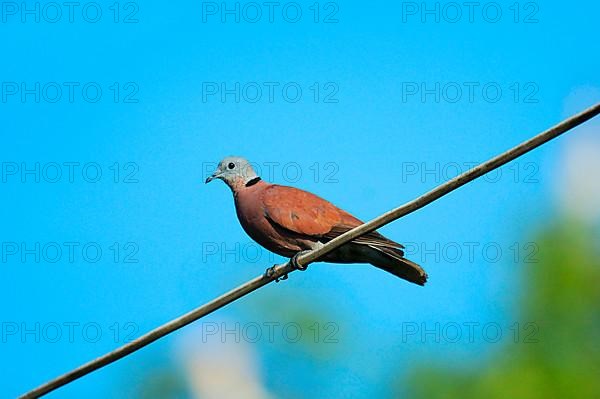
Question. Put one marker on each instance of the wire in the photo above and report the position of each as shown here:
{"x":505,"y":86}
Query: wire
{"x":304,"y":259}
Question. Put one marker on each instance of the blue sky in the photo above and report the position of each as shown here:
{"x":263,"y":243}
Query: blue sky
{"x":370,"y":139}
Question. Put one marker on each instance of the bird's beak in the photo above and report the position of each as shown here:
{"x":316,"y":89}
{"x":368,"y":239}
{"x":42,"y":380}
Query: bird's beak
{"x":212,"y":177}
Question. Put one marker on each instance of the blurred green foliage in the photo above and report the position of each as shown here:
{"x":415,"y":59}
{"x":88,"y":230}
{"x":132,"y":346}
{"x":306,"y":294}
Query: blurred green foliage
{"x":561,"y":294}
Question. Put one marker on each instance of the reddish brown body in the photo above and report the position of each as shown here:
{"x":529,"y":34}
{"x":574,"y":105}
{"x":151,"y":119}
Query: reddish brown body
{"x":286,"y":220}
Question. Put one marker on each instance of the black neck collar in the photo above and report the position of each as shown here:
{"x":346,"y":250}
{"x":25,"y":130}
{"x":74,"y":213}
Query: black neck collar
{"x":253,"y":181}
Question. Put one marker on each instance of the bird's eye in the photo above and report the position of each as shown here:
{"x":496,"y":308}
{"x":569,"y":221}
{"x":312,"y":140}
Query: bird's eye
{"x":231,"y":165}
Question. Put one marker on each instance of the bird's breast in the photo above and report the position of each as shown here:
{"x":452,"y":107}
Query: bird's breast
{"x":251,"y":214}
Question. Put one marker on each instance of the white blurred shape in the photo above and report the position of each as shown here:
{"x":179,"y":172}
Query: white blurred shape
{"x":217,"y":366}
{"x":578,"y":180}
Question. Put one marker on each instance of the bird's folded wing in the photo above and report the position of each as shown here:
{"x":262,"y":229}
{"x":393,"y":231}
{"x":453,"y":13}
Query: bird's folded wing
{"x":373,"y":238}
{"x":299,"y":211}
{"x":307,"y":214}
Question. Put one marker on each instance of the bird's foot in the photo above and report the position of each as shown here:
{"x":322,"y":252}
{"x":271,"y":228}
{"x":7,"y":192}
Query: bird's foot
{"x":295,"y":263}
{"x":270,"y":272}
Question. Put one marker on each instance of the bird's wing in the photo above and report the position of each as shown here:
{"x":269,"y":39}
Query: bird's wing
{"x":299,"y":211}
{"x":373,"y":238}
{"x":304,"y":213}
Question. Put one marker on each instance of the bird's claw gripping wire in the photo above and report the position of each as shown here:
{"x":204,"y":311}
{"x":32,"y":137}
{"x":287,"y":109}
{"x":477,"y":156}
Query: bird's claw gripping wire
{"x":270,"y":272}
{"x":294,"y":261}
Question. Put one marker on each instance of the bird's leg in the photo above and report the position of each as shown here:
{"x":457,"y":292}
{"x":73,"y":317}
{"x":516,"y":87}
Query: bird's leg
{"x":294,"y":261}
{"x":270,"y":272}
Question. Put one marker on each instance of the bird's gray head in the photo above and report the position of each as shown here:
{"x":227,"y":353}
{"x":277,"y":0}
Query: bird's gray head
{"x":236,"y":172}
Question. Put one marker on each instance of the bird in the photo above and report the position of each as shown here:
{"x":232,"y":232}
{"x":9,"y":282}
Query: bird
{"x":288,"y":221}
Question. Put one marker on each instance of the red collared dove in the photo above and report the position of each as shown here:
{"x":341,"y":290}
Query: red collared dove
{"x":287,"y":220}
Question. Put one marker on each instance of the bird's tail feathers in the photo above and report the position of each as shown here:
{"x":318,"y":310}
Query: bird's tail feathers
{"x":392,"y":260}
